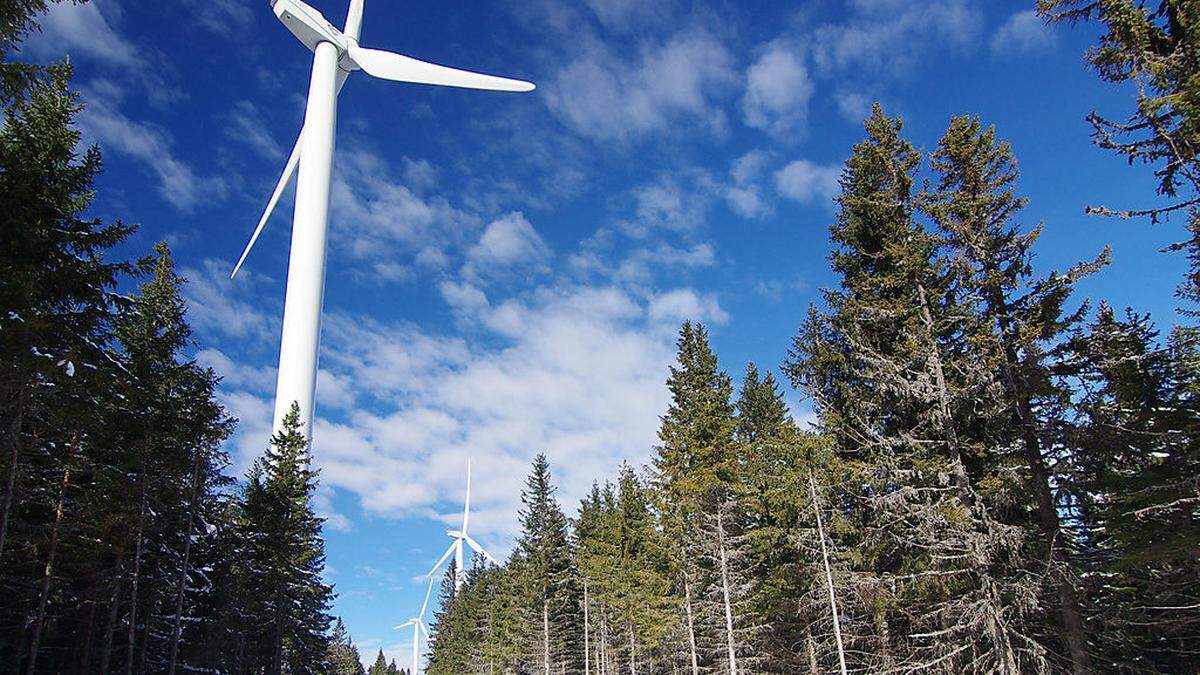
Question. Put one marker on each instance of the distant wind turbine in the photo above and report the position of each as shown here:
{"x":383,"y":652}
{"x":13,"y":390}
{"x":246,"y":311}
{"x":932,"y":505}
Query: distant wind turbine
{"x":418,"y":624}
{"x":460,"y":536}
{"x":336,"y":55}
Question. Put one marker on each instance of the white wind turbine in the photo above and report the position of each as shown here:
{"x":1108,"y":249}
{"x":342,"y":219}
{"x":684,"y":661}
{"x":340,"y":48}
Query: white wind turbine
{"x":460,"y":536}
{"x":336,"y":54}
{"x":418,"y":626}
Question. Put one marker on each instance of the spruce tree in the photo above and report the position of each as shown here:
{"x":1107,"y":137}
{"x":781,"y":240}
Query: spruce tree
{"x":890,"y":370}
{"x":380,"y":666}
{"x":342,"y":656}
{"x":543,"y":554}
{"x":975,"y":206}
{"x":1153,"y":46}
{"x":1140,"y":468}
{"x":288,"y":615}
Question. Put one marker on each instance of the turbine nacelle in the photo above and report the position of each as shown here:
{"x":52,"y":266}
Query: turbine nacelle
{"x":312,"y":29}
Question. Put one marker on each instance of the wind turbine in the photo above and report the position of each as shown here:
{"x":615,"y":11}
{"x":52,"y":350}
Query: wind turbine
{"x":418,"y":624}
{"x":336,"y":54}
{"x":460,"y":536}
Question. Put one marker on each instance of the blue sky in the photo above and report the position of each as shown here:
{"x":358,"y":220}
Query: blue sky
{"x":507,"y":272}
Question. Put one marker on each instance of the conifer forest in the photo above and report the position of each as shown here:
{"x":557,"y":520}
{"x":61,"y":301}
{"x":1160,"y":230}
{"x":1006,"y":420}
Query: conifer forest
{"x":1002,"y":477}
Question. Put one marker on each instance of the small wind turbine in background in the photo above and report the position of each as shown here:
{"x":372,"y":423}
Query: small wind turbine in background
{"x":418,"y":626}
{"x":460,"y":536}
{"x":336,"y":55}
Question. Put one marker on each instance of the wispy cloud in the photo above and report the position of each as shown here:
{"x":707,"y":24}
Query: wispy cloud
{"x":153,"y":148}
{"x":808,"y":182}
{"x":606,"y":96}
{"x":778,"y":89}
{"x":1023,"y":33}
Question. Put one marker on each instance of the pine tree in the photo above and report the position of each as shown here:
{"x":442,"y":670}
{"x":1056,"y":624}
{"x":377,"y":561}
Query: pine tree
{"x":288,"y":616}
{"x":697,"y":448}
{"x":380,"y":667}
{"x":543,"y":555}
{"x":890,"y":370}
{"x":974,"y":206}
{"x":1138,"y":459}
{"x":342,"y":656}
{"x":1153,"y":46}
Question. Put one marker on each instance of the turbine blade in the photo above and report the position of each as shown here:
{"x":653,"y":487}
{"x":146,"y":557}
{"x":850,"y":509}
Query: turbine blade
{"x":479,"y":549}
{"x":425,"y":604}
{"x":424,"y":630}
{"x":442,"y":559}
{"x":289,"y":170}
{"x":354,"y":20}
{"x":406,"y":624}
{"x":400,"y":68}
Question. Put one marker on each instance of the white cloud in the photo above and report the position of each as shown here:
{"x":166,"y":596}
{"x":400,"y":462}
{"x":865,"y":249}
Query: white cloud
{"x":1023,"y":33}
{"x":225,"y":16}
{"x":509,"y":241}
{"x":778,"y":90}
{"x":606,"y":97}
{"x":575,"y":371}
{"x":86,"y":30}
{"x":853,"y":106}
{"x":624,"y":14}
{"x":230,"y":308}
{"x":377,"y":217}
{"x":152,"y":147}
{"x":682,"y":305}
{"x":745,"y":194}
{"x":805,"y":181}
{"x":246,"y":125}
{"x":891,"y":35}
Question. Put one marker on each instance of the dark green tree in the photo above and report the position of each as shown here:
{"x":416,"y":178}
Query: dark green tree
{"x":342,"y":657}
{"x":543,"y":560}
{"x":1153,"y":45}
{"x":288,"y":618}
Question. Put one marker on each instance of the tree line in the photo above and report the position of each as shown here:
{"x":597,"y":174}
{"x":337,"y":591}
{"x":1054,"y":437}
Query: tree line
{"x":1000,"y":479}
{"x":124,"y":544}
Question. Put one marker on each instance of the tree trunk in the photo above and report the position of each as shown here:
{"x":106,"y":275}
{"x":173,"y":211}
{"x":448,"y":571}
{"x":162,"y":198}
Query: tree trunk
{"x":48,"y":571}
{"x":546,"y":637}
{"x":587,"y":648}
{"x":947,"y":416}
{"x":1072,"y":618}
{"x":632,"y":651}
{"x":730,"y":642}
{"x":812,"y":650}
{"x":133,"y":583}
{"x":691,"y":623}
{"x":186,"y":566}
{"x":833,"y":608}
{"x":13,"y":438}
{"x":114,"y":604}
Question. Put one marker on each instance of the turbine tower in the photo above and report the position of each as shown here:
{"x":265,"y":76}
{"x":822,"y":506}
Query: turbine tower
{"x":459,"y":538}
{"x":418,"y":624}
{"x":336,"y":55}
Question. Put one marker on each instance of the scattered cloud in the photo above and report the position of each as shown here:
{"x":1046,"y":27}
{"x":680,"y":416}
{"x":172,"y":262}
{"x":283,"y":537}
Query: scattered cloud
{"x":853,"y":106}
{"x":605,"y":96}
{"x":247,"y":126}
{"x":507,"y":242}
{"x":378,"y":217}
{"x":745,"y":195}
{"x":807,"y":182}
{"x":85,"y":30}
{"x":152,"y":147}
{"x":778,"y":89}
{"x":889,"y":36}
{"x":225,"y":16}
{"x":1023,"y":33}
